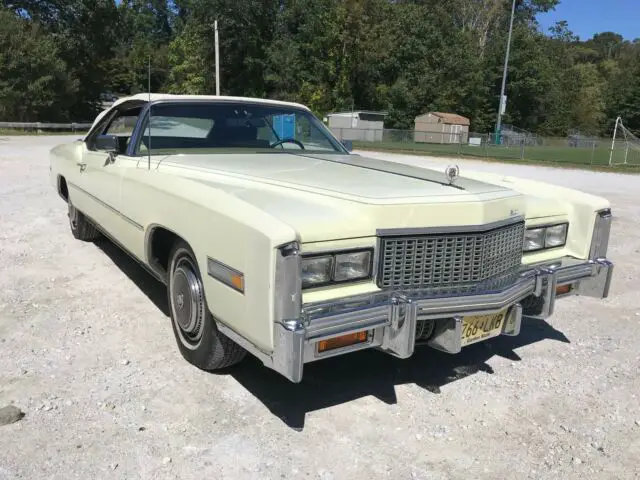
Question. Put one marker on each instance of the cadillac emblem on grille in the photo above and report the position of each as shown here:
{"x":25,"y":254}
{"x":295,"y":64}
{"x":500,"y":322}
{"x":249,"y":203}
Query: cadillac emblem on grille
{"x":449,"y":259}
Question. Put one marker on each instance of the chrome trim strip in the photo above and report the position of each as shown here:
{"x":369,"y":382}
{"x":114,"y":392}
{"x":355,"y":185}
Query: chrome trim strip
{"x":107,"y":206}
{"x":289,"y":348}
{"x":289,"y":329}
{"x":392,"y":169}
{"x":569,"y":274}
{"x":341,"y":323}
{"x":288,"y":283}
{"x":439,"y":307}
{"x":599,"y":284}
{"x":223,"y":273}
{"x":400,"y":339}
{"x":484,"y":227}
{"x":601,"y":233}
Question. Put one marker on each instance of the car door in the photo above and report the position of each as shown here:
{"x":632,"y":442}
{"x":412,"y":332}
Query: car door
{"x":101,"y":171}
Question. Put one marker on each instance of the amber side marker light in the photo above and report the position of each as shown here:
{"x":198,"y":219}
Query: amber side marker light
{"x":562,"y":289}
{"x":237,"y":281}
{"x":342,"y":341}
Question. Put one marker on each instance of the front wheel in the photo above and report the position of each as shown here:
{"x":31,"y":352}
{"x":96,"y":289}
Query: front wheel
{"x":199,"y":340}
{"x":81,"y":227}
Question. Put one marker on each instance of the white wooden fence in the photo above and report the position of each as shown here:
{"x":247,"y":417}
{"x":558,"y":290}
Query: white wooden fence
{"x":38,"y":126}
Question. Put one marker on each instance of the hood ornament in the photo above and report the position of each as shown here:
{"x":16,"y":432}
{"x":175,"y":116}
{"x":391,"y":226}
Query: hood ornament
{"x":452,"y":172}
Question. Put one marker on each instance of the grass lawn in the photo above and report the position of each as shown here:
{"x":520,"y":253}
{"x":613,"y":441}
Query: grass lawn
{"x":590,"y":158}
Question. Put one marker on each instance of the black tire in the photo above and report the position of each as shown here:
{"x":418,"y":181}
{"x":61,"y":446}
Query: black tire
{"x":81,"y":227}
{"x":199,"y":340}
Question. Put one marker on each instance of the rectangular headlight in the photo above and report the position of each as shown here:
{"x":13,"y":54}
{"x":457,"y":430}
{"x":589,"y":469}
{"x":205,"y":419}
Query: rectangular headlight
{"x":533,"y":239}
{"x":550,"y":236}
{"x":556,"y":236}
{"x":316,"y":270}
{"x":352,"y":266}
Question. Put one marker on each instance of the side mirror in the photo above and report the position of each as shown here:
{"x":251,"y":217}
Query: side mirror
{"x":107,"y":143}
{"x":348,"y":144}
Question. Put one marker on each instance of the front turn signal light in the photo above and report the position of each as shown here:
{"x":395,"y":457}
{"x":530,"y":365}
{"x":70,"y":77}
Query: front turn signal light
{"x":342,"y":341}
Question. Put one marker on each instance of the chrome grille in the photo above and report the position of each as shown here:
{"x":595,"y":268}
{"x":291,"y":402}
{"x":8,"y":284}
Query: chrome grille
{"x":449,"y":259}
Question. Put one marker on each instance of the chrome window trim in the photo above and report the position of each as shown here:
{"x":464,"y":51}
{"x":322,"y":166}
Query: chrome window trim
{"x":136,"y":134}
{"x":483,"y":227}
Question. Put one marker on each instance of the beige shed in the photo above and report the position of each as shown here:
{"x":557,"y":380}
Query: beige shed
{"x":439,"y":127}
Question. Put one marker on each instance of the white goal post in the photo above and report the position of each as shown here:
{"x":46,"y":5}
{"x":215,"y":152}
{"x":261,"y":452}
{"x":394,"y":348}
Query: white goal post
{"x":625,"y":146}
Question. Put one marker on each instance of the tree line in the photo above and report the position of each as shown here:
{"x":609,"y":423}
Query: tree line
{"x":405,"y":57}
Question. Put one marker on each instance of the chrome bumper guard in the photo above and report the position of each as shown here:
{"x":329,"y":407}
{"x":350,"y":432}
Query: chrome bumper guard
{"x":391,"y":318}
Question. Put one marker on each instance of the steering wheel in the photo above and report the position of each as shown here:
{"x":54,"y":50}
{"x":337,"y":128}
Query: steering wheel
{"x":287,"y":140}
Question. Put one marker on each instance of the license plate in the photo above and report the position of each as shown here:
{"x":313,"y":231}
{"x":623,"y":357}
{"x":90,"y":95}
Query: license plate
{"x":481,"y":327}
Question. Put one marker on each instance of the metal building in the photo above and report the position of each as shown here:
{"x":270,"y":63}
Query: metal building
{"x":439,"y":127}
{"x":357,"y":125}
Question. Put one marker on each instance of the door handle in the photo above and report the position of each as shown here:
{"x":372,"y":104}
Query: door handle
{"x":82,"y":166}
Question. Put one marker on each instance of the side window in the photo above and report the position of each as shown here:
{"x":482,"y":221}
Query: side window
{"x":121,"y":126}
{"x":124,"y":123}
{"x":170,"y":132}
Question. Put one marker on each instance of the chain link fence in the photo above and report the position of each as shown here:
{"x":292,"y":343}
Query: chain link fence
{"x":512,"y":145}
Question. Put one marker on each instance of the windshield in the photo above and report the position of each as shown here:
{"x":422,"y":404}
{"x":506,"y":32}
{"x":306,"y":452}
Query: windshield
{"x":215,"y":127}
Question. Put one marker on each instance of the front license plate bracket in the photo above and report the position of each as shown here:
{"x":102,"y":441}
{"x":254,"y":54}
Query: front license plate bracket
{"x":451,"y":334}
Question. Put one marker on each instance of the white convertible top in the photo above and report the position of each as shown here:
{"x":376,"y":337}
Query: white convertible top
{"x":169,"y":96}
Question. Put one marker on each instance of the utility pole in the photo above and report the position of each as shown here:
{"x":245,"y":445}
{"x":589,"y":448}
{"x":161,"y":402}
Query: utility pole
{"x":215,"y":26}
{"x":503,"y":101}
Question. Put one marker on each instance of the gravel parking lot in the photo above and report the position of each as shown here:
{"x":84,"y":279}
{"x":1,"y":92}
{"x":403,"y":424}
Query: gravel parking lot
{"x":87,"y":352}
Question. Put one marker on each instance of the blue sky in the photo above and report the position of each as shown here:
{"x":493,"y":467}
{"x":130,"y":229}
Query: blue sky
{"x":587,"y":17}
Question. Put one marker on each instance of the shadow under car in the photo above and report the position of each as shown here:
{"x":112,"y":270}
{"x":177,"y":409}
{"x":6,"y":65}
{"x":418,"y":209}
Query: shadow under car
{"x":341,"y":379}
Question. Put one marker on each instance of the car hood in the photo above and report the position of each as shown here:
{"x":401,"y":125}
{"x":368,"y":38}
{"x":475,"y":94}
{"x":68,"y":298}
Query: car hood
{"x":329,"y":197}
{"x":342,"y":176}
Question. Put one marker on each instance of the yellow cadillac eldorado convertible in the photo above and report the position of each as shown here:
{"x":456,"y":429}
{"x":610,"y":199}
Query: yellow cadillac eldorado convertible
{"x":274,"y":239}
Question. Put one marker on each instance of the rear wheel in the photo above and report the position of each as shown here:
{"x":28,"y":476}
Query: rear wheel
{"x":199,"y":340}
{"x":81,"y":227}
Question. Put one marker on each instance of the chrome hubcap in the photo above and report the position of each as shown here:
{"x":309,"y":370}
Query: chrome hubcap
{"x":187,"y":301}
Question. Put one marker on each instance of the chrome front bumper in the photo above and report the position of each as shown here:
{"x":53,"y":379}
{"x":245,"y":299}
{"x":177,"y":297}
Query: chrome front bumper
{"x":392,"y":317}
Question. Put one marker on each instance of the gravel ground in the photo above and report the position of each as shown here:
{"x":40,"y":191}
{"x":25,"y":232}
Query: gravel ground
{"x":87,"y":352}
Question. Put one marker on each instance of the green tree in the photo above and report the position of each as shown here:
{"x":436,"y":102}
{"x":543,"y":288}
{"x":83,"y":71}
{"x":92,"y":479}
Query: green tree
{"x":34,"y":84}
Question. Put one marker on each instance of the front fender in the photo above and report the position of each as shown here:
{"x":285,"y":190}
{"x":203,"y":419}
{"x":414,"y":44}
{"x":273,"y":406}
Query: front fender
{"x":547,"y":201}
{"x":222,"y":227}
